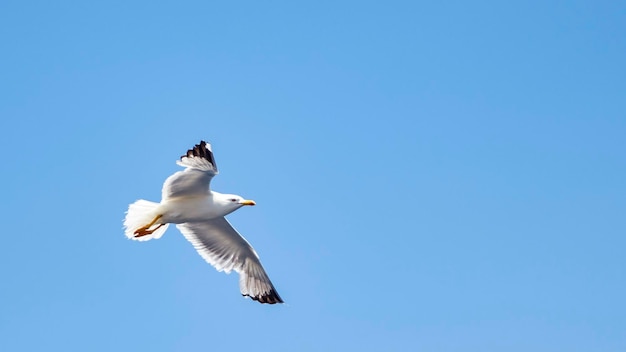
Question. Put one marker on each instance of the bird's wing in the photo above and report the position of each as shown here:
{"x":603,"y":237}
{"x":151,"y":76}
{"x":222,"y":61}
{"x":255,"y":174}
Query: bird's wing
{"x":224,"y":248}
{"x":195,"y":179}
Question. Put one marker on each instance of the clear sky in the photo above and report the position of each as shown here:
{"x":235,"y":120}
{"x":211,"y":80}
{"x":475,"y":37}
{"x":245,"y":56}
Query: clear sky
{"x":440,"y":176}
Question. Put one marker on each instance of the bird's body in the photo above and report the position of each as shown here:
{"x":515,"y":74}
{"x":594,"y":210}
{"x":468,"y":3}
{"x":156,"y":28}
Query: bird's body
{"x":193,"y":208}
{"x":199,"y":212}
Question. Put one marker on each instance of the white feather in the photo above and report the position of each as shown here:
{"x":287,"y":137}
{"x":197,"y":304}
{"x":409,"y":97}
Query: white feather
{"x":224,"y":248}
{"x":139,"y":214}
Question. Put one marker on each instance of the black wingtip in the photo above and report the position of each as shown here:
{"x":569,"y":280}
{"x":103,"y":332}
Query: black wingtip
{"x":271,"y":297}
{"x":200,"y":150}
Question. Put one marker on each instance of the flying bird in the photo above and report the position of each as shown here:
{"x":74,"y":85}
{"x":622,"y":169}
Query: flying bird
{"x":198,"y":213}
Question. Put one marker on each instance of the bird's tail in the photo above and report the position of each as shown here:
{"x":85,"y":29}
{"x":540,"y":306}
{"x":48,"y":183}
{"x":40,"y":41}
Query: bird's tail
{"x":139,"y":214}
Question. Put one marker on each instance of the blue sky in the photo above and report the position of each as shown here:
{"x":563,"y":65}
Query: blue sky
{"x":429,"y":176}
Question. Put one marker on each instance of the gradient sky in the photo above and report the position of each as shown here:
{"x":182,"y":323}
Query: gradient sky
{"x":442,"y":176}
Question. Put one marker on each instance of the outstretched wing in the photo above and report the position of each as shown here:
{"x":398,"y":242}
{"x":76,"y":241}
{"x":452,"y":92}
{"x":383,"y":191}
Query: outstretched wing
{"x":224,"y":248}
{"x":195,"y":179}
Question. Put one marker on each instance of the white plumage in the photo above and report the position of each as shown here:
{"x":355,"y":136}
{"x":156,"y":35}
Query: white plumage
{"x":198,"y":213}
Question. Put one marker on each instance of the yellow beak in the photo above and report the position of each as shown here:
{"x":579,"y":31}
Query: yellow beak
{"x":247,"y":202}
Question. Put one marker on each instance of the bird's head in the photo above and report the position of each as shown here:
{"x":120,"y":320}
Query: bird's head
{"x":234,"y":201}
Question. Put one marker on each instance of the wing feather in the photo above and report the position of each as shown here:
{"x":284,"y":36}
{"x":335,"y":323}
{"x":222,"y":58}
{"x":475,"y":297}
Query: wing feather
{"x":196,"y":178}
{"x":224,"y":248}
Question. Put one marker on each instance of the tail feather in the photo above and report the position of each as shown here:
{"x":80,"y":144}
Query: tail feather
{"x":140,"y":214}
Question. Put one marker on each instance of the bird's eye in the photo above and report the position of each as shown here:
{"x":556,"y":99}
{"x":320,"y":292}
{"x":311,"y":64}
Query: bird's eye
{"x":233,"y":199}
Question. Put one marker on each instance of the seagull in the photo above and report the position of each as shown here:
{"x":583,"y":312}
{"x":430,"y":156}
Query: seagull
{"x":198,"y":213}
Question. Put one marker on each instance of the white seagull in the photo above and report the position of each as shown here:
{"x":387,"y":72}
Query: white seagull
{"x":198,"y":213}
